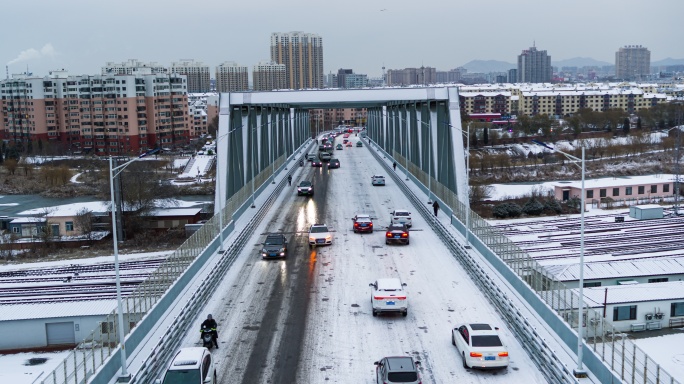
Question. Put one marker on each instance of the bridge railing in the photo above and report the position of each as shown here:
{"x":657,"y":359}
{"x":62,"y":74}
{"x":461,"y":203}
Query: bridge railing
{"x":103,"y":342}
{"x":623,"y":357}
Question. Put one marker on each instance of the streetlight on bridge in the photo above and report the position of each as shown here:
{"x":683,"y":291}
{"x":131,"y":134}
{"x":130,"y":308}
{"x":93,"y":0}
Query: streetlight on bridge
{"x":579,"y":372}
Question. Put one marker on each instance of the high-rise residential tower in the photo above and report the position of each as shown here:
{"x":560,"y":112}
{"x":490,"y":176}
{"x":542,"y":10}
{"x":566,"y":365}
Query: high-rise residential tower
{"x":534,"y":66}
{"x":267,"y":76}
{"x":632,"y":62}
{"x":196,"y":72}
{"x":231,"y":77}
{"x":302,"y":54}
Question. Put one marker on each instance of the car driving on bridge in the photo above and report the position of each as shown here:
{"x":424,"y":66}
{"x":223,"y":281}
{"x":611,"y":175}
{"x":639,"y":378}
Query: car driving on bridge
{"x":319,"y":235}
{"x":362,"y":223}
{"x":275,"y":245}
{"x":397,"y":369}
{"x":388,"y":295}
{"x":397,"y":234}
{"x":401,"y":216}
{"x":190,"y":366}
{"x":480,"y":346}
{"x":305,"y":188}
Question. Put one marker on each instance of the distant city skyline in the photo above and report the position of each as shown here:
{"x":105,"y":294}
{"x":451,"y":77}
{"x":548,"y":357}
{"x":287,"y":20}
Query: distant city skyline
{"x":390,"y":35}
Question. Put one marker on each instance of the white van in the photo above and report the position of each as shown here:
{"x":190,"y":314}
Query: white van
{"x":190,"y":366}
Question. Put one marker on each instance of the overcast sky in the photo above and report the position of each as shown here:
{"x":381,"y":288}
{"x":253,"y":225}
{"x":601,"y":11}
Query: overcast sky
{"x":82,"y":35}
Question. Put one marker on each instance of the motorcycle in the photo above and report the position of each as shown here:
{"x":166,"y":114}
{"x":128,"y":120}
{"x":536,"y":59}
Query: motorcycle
{"x":301,"y":163}
{"x":207,"y":335}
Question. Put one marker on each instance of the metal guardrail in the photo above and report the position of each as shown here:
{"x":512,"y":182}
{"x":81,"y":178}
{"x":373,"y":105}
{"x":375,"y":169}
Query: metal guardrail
{"x":621,"y":355}
{"x":545,"y":358}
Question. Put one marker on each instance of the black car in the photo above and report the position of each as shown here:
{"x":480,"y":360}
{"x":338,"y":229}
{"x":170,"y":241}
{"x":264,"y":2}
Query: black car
{"x":316,"y":163}
{"x":306,"y":188}
{"x":334,"y":163}
{"x":397,"y":233}
{"x":274,"y":246}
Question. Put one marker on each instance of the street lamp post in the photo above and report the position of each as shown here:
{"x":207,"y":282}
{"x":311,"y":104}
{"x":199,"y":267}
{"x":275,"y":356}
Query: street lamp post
{"x":579,"y":372}
{"x":124,"y":377}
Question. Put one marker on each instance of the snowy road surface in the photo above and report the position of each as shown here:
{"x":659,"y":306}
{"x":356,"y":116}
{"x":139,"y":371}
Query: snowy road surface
{"x":307,"y":319}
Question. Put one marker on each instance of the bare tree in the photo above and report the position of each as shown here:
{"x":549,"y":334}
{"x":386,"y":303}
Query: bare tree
{"x":84,"y":223}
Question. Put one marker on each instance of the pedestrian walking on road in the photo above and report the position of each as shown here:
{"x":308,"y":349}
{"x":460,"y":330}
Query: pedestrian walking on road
{"x":435,"y":207}
{"x":289,"y":180}
{"x":394,"y":166}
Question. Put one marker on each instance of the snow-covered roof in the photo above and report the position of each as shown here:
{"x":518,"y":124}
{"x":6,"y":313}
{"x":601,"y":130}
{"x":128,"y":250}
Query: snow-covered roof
{"x":26,"y":220}
{"x":55,"y":310}
{"x":619,"y":269}
{"x":634,"y":293}
{"x":648,"y":206}
{"x":167,"y":212}
{"x":68,"y":210}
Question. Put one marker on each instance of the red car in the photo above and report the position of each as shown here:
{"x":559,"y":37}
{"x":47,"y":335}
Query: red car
{"x":362,"y":223}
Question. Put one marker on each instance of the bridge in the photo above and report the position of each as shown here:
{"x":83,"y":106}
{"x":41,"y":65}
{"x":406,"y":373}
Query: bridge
{"x":307,"y":318}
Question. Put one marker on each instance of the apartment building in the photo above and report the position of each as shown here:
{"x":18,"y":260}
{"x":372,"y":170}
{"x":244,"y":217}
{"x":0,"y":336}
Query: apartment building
{"x":109,"y":114}
{"x":555,"y":100}
{"x":231,"y":77}
{"x":632,"y":62}
{"x":534,"y":66}
{"x":267,"y":76}
{"x":132,"y":66}
{"x":411,"y":76}
{"x":197,"y":73}
{"x":330,"y":118}
{"x":302,"y":55}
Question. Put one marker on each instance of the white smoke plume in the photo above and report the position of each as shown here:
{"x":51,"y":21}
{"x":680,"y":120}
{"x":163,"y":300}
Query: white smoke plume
{"x":47,"y":51}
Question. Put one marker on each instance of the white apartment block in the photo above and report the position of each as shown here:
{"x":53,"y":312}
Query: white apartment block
{"x":267,"y":76}
{"x":101,"y":114}
{"x":133,"y":66}
{"x":231,"y":77}
{"x":198,"y":74}
{"x":302,"y":55}
{"x":558,"y":100}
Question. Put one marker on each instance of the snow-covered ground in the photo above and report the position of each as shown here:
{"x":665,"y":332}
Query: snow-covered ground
{"x":666,"y":351}
{"x":15,"y":368}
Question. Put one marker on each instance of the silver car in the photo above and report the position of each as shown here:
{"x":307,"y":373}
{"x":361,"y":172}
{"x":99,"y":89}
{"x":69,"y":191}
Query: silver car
{"x":378,"y":180}
{"x":397,"y":369}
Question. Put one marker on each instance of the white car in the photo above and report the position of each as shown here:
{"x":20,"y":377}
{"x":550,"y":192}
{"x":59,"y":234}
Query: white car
{"x":401,"y":216}
{"x":480,"y":346}
{"x":190,"y":365}
{"x":388,"y":295}
{"x":378,"y":180}
{"x":319,"y":235}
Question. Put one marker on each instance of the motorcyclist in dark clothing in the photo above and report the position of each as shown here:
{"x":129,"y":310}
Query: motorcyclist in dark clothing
{"x":211,"y":324}
{"x":289,"y":179}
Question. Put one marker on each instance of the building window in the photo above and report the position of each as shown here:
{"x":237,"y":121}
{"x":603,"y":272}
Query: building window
{"x":627,"y":312}
{"x":590,"y":194}
{"x":602,"y":192}
{"x":107,"y":327}
{"x":628,"y":191}
{"x":666,"y":187}
{"x":616,"y":191}
{"x":15,"y":229}
{"x":677,"y":309}
{"x":641,"y":190}
{"x":658,"y":280}
{"x":592,"y":284}
{"x":69,"y":225}
{"x":654,"y":189}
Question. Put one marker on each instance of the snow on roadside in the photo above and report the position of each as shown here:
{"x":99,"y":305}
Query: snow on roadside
{"x":666,"y":351}
{"x":15,"y":368}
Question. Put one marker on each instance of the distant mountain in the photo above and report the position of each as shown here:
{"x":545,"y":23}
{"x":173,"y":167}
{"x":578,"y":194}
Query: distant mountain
{"x":668,"y":61}
{"x":580,"y":62}
{"x":486,"y":66}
